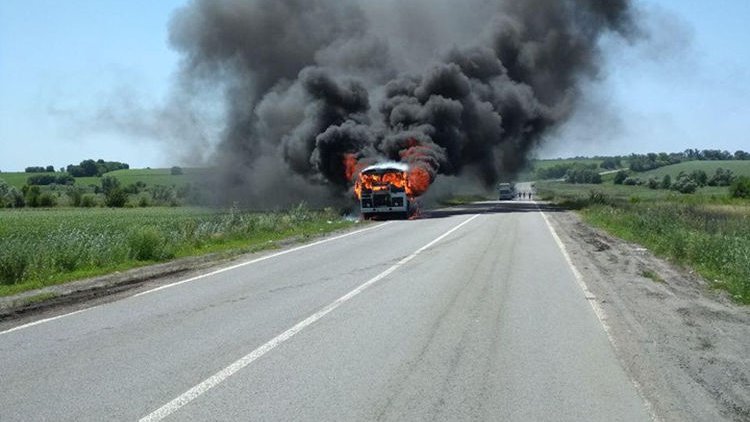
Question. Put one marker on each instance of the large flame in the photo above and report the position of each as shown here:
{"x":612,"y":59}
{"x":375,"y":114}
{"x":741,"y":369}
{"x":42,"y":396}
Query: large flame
{"x":415,"y":180}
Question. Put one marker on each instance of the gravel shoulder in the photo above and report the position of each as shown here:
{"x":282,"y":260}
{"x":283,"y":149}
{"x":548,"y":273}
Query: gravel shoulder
{"x":685,"y":344}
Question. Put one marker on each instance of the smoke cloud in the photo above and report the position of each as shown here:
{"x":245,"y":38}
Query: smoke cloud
{"x":451,"y":88}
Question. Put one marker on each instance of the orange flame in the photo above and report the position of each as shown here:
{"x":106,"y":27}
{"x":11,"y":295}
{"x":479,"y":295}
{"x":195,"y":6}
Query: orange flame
{"x":414,"y":181}
{"x":419,"y":181}
{"x":350,"y":166}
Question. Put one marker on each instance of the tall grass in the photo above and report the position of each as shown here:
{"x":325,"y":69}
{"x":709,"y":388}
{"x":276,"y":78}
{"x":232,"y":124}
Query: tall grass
{"x":714,"y":242}
{"x":709,"y":231}
{"x":43,"y":247}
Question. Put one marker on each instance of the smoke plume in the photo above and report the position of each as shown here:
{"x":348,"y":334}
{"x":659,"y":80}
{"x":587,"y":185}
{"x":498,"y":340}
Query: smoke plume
{"x":450,"y":88}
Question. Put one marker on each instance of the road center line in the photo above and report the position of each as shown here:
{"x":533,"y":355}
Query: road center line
{"x":219,"y":271}
{"x":246,"y":360}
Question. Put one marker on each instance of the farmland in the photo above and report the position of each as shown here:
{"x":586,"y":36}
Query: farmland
{"x":51,"y":246}
{"x":739,"y":168}
{"x":151,"y":177}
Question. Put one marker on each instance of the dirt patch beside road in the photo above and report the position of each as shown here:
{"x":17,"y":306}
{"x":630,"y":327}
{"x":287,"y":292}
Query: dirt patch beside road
{"x":685,"y":344}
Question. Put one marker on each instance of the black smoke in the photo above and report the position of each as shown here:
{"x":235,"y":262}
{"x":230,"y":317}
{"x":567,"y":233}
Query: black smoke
{"x":453,"y":87}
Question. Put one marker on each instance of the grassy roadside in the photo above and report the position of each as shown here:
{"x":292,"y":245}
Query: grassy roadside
{"x":709,"y":233}
{"x":39,"y":248}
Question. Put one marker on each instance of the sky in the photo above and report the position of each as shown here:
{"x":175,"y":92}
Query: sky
{"x":685,"y":85}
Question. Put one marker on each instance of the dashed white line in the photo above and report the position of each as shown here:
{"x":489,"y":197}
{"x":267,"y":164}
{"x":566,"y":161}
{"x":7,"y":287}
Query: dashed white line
{"x":262,"y":258}
{"x":246,"y":360}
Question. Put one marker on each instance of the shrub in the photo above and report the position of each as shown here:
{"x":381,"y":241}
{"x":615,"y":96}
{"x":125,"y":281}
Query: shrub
{"x":148,"y":244}
{"x":583,"y":176}
{"x":175,"y":171}
{"x":721,"y":178}
{"x":10,"y":196}
{"x":620,"y":177}
{"x":666,"y":182}
{"x":740,"y":187}
{"x":699,"y":177}
{"x":685,"y":185}
{"x":653,"y":183}
{"x":47,"y":199}
{"x":116,"y":198}
{"x":632,"y":181}
{"x":88,"y":200}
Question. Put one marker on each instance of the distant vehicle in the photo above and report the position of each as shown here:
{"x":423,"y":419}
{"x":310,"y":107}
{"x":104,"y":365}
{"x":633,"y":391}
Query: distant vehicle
{"x":506,"y":191}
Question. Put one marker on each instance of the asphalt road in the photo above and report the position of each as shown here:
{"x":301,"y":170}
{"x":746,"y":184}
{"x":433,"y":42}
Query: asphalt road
{"x":472,"y":314}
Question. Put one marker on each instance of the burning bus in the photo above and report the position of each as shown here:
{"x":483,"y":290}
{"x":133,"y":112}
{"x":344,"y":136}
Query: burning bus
{"x":383,"y":191}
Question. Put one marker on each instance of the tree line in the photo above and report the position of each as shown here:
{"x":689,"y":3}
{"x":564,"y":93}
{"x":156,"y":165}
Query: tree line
{"x":86,"y":168}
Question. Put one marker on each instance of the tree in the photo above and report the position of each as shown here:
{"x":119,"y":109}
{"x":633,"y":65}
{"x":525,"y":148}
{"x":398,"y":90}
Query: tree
{"x":109,"y":184}
{"x":742,"y":155}
{"x":114,"y":195}
{"x":89,"y":168}
{"x":610,"y":163}
{"x":175,"y":171}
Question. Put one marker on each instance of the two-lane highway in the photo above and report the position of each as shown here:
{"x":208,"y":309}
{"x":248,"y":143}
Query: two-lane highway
{"x":473,"y":314}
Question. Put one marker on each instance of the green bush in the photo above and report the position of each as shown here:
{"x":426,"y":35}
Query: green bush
{"x":740,"y":188}
{"x":47,"y":200}
{"x":148,"y":244}
{"x":620,"y":177}
{"x":115,"y":198}
{"x":88,"y":200}
{"x":666,"y":182}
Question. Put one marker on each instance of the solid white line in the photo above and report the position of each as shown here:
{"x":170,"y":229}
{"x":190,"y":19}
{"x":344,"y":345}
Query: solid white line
{"x":263,"y":258}
{"x":212,"y":273}
{"x":41,"y":321}
{"x":246,"y":360}
{"x":594,"y":302}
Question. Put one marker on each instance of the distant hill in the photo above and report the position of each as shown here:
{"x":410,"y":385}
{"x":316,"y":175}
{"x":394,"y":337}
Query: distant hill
{"x":739,"y":168}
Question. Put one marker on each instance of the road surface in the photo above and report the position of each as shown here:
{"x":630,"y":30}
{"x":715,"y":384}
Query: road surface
{"x":470,"y":314}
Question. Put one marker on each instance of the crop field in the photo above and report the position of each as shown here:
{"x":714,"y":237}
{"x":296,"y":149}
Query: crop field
{"x":706,"y":231}
{"x":554,"y":162}
{"x":17,"y":179}
{"x":51,"y":246}
{"x":150,"y":177}
{"x":739,"y":168}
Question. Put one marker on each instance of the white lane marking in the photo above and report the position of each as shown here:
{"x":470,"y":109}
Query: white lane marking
{"x":166,"y":286}
{"x":600,"y":315}
{"x":42,"y":321}
{"x":262,"y":258}
{"x":246,"y":360}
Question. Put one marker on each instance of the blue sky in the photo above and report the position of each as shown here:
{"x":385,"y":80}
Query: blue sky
{"x":60,"y":60}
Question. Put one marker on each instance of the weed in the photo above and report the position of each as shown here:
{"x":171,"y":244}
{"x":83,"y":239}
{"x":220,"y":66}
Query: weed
{"x":653,"y":275}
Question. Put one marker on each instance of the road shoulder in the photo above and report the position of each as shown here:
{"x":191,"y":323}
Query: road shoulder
{"x":682,"y":342}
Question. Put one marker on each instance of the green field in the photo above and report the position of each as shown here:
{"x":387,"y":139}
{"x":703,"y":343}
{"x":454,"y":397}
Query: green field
{"x":41,"y":247}
{"x":150,"y":177}
{"x":739,"y":168}
{"x":538,"y":164}
{"x":707,"y":231}
{"x":18,"y":179}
